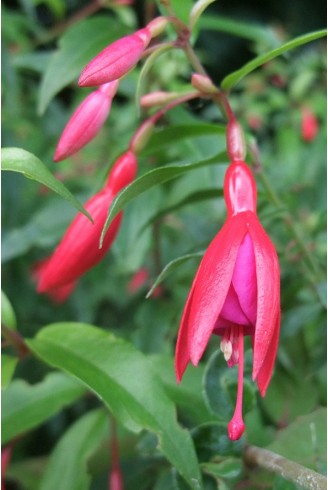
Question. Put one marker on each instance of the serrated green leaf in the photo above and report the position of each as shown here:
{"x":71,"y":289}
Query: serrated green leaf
{"x":231,"y":80}
{"x":8,"y":365}
{"x":8,"y":317}
{"x":123,"y":378}
{"x":77,"y":47}
{"x":24,"y":162}
{"x":211,"y":440}
{"x":151,"y":179}
{"x":67,"y":466}
{"x":26,"y":406}
{"x":171,"y":267}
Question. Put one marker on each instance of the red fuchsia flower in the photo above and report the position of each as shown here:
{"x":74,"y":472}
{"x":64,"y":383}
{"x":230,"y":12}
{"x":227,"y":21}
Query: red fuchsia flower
{"x":86,"y":121}
{"x":236,"y":292}
{"x":79,"y":249}
{"x":309,"y":125}
{"x":115,"y":474}
{"x":116,"y":60}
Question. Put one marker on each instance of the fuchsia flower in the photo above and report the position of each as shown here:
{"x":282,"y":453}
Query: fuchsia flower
{"x":235,"y":292}
{"x":79,"y":249}
{"x":86,"y":121}
{"x":309,"y":125}
{"x":116,"y":60}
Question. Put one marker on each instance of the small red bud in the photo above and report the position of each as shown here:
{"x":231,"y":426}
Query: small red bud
{"x":309,"y":125}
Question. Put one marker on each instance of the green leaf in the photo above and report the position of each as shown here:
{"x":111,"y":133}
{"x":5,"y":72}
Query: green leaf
{"x":21,"y":161}
{"x":211,"y":440}
{"x":152,"y":178}
{"x":304,"y":440}
{"x":165,"y":137}
{"x":26,"y":406}
{"x":67,"y":468}
{"x":8,"y":365}
{"x":193,"y":197}
{"x":197,"y":11}
{"x":171,"y":267}
{"x":123,"y":378}
{"x":77,"y":47}
{"x":246,"y":30}
{"x":188,"y":394}
{"x":229,"y":469}
{"x":231,"y":80}
{"x":8,"y":317}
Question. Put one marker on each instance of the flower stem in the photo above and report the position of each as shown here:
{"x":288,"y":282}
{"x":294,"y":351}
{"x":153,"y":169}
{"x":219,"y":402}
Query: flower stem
{"x":294,"y":472}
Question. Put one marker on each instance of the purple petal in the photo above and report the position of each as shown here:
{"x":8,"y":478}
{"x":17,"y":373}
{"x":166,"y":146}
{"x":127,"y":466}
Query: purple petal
{"x":244,"y":279}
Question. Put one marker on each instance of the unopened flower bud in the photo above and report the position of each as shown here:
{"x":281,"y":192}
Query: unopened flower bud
{"x":157,"y":26}
{"x":236,"y":146}
{"x":116,"y":60}
{"x":123,"y":172}
{"x":141,"y":137}
{"x":86,"y":121}
{"x":203,"y":83}
{"x":79,"y":249}
{"x":157,"y":98}
{"x":309,"y":125}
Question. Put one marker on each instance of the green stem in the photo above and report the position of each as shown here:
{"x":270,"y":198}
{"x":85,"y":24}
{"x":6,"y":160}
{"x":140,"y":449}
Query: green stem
{"x":15,"y":340}
{"x":294,"y":472}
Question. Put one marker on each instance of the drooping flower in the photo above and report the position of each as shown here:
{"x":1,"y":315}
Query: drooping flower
{"x":309,"y":125}
{"x":86,"y":121}
{"x":236,"y":292}
{"x":115,"y":60}
{"x":79,"y":249}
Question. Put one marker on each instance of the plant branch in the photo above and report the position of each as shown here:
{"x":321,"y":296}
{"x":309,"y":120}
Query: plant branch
{"x":14,"y":339}
{"x":294,"y":472}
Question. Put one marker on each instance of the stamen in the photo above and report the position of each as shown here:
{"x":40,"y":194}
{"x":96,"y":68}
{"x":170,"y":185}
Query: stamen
{"x":226,"y":348}
{"x":236,"y":425}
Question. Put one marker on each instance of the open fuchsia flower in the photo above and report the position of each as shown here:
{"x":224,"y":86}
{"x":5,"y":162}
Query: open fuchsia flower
{"x":86,"y":121}
{"x":236,"y":292}
{"x":79,"y":249}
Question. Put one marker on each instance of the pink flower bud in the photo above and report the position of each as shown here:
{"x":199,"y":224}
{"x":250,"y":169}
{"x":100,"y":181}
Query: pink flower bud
{"x":123,"y":172}
{"x":157,"y":26}
{"x":142,"y":135}
{"x":157,"y":98}
{"x":116,"y":60}
{"x":309,"y":125}
{"x":236,"y":147}
{"x":79,"y":249}
{"x":86,"y":121}
{"x":203,"y":83}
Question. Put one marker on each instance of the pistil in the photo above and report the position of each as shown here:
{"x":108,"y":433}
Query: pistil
{"x":236,"y":425}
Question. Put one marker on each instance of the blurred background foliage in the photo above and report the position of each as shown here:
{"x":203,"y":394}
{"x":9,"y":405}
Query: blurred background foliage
{"x":45,"y":45}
